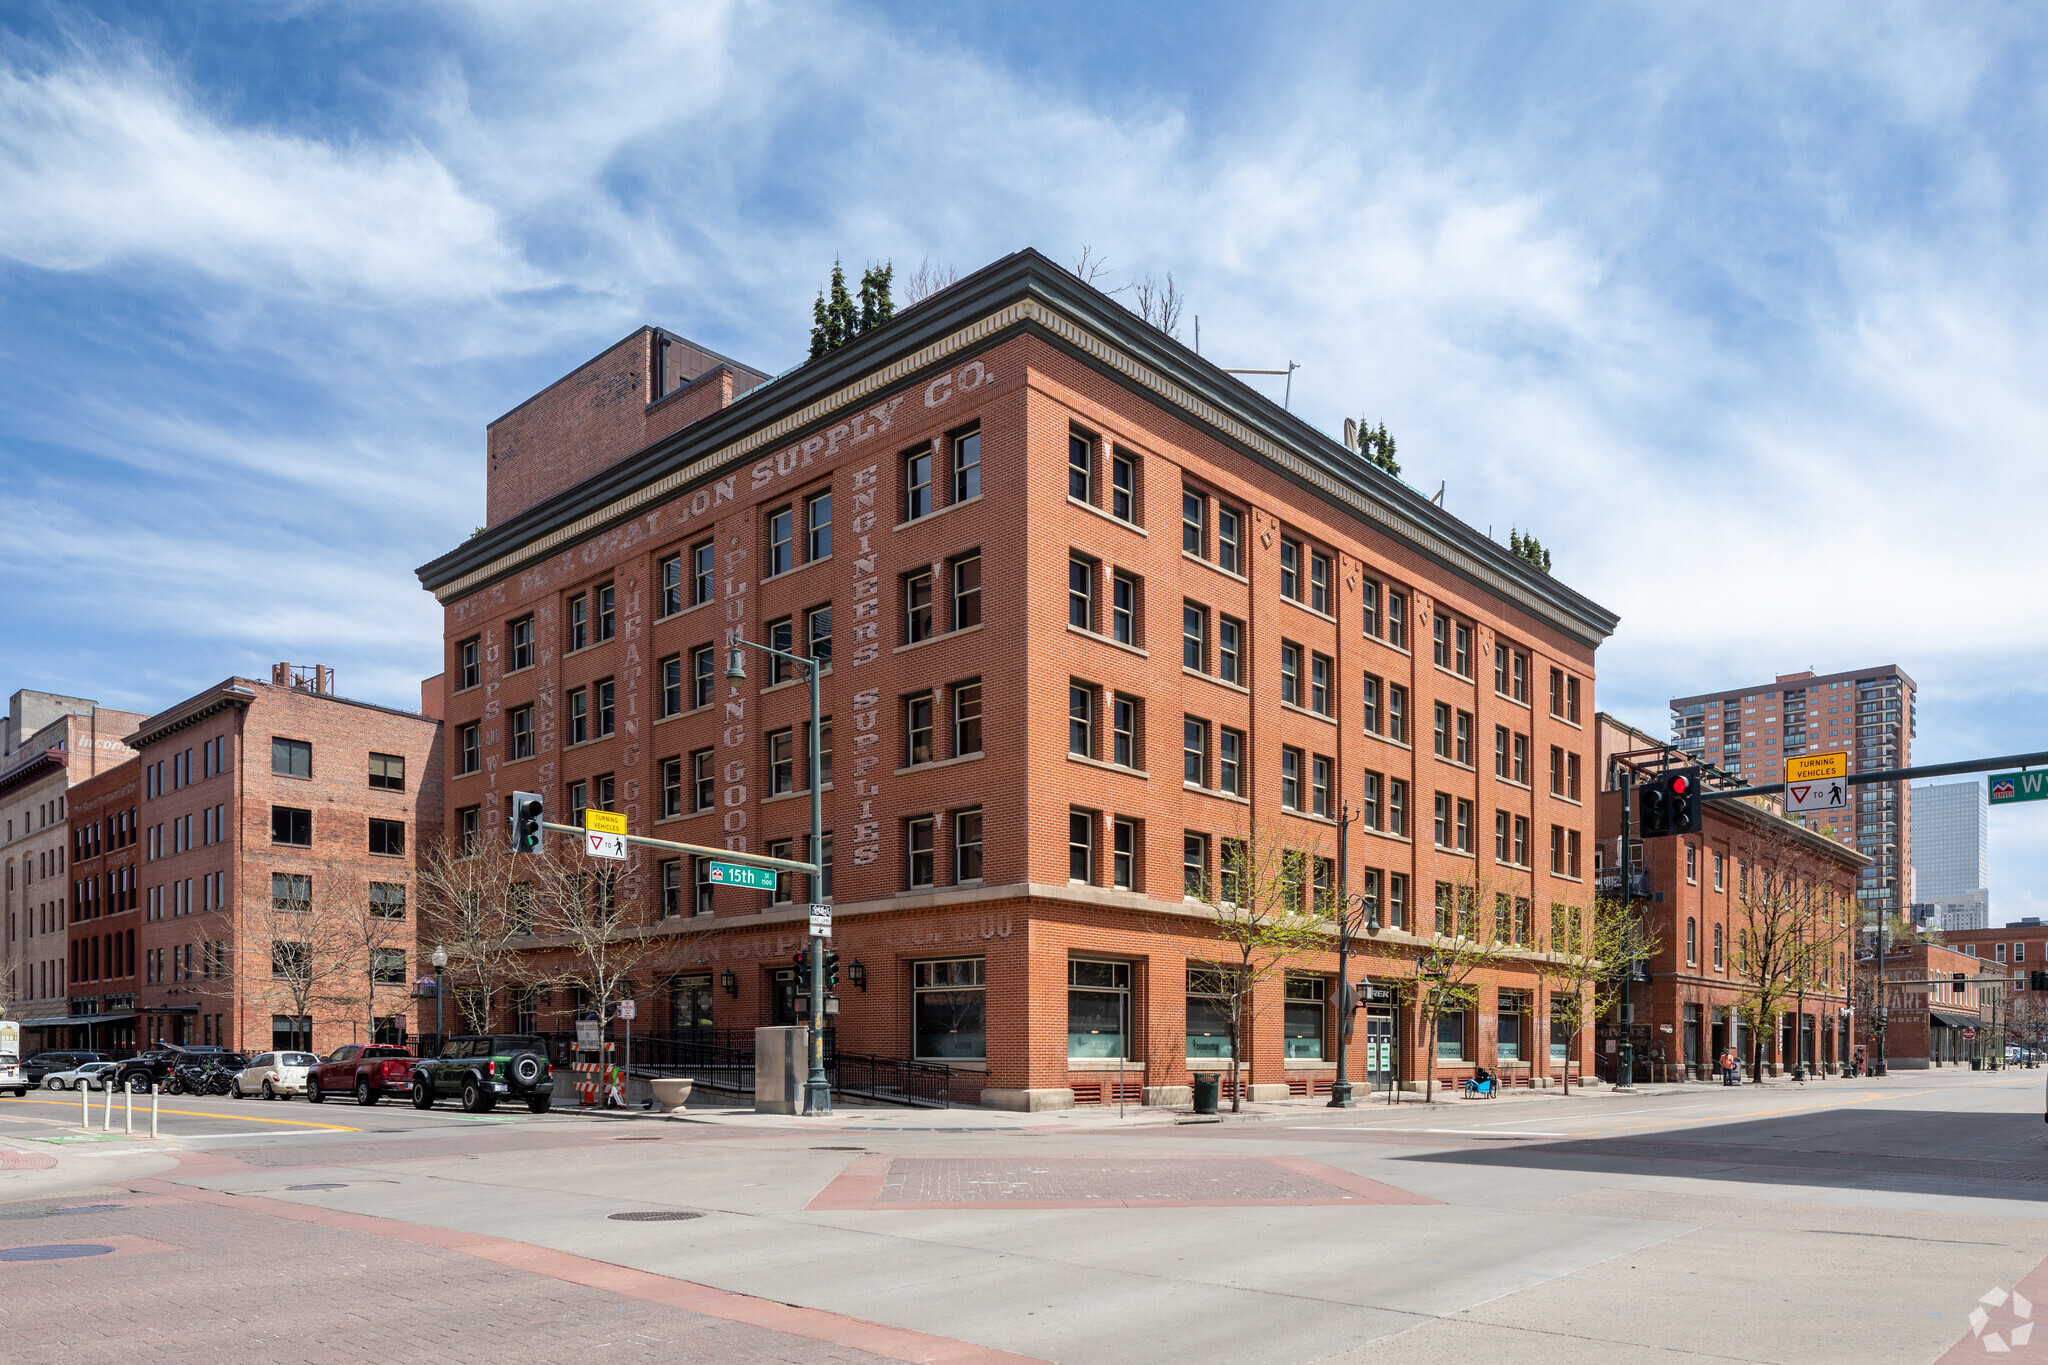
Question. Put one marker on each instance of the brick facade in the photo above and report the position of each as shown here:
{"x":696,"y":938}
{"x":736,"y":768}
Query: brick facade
{"x":1033,"y":592}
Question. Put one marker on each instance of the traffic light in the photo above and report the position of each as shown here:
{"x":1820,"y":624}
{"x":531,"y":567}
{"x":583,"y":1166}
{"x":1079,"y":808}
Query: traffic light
{"x":1671,"y":804}
{"x":526,"y":809}
{"x":1955,"y":983}
{"x":802,"y":963}
{"x":2037,"y":981}
{"x":1653,"y":817}
{"x":831,"y":968}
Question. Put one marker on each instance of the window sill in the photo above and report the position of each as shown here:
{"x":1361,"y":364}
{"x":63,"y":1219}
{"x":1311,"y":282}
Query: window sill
{"x":1218,"y":793}
{"x":1073,"y":501}
{"x":935,"y":512}
{"x":510,"y":762}
{"x":1111,"y":767}
{"x":823,"y":673}
{"x":1387,"y":739}
{"x":1104,"y":1064}
{"x":1300,"y":605}
{"x":1502,"y":696}
{"x":1305,"y":711}
{"x":1307,"y":815}
{"x":679,"y":615}
{"x":823,"y":787}
{"x":1562,"y":721}
{"x":1453,"y":763}
{"x":585,"y":649}
{"x":1401,"y":650}
{"x":794,"y":569}
{"x":1112,"y":643}
{"x":1216,"y":568}
{"x":1568,"y":800}
{"x":686,"y":815}
{"x":1515,"y":867}
{"x":1454,"y":673}
{"x":934,"y":639}
{"x":1210,"y":677}
{"x":974,"y":757}
{"x":1510,"y":782}
{"x":1390,"y":836}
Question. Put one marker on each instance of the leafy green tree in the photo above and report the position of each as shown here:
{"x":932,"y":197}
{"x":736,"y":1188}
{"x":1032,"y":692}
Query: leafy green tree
{"x":1529,"y":550}
{"x":837,"y":319}
{"x":1377,"y":447}
{"x":1592,"y":950}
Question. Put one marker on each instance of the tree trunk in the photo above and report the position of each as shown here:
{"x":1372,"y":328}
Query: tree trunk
{"x":1429,"y":1084}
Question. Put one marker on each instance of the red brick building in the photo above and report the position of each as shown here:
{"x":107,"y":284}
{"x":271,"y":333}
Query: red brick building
{"x":1934,"y":994}
{"x":1092,"y":607}
{"x":105,"y":879}
{"x":1693,"y":889}
{"x":276,"y":823}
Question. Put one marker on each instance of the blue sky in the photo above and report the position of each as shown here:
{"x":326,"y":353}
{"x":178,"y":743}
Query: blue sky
{"x":1761,"y":297}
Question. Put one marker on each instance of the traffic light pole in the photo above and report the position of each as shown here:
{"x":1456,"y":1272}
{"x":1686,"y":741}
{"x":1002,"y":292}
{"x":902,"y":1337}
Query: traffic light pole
{"x":1625,"y":1054}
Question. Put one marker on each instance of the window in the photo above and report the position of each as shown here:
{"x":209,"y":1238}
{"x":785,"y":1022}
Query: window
{"x":1194,"y":536}
{"x":1124,"y":732}
{"x":1319,"y":582}
{"x":1571,"y":700}
{"x":1290,"y":778}
{"x":1464,"y":823}
{"x":1718,"y":941}
{"x":1369,"y":703}
{"x":1461,"y":650}
{"x":917,"y":607}
{"x":1319,"y":785}
{"x":1081,"y":720}
{"x":824,"y":752}
{"x":1397,"y":806}
{"x":576,"y":721}
{"x":818,"y":635}
{"x":1208,"y":1012}
{"x":1692,"y":941}
{"x":781,"y":636}
{"x":607,"y":612}
{"x":701,"y":779}
{"x":671,"y":886}
{"x":781,"y":762}
{"x":917,"y":729}
{"x":387,"y":900}
{"x":1302,"y":1017}
{"x":1098,"y":1009}
{"x":670,"y":674}
{"x":290,"y":891}
{"x":1194,"y":637}
{"x":1571,"y":776}
{"x":700,"y":572}
{"x":1500,"y":751}
{"x":521,"y":632}
{"x":781,"y":549}
{"x":949,"y":1011}
{"x":1397,"y":899}
{"x":292,"y":961}
{"x":1556,"y":771}
{"x":1124,"y":854}
{"x":1692,"y":865}
{"x":1290,"y":568}
{"x":1520,"y":771}
{"x":966,"y":466}
{"x":818,"y":524}
{"x":290,"y":825}
{"x":1500,"y":836}
{"x":1123,"y":615}
{"x":1557,"y":849}
{"x":1194,"y":866}
{"x":1441,"y":731}
{"x":700,"y":676}
{"x":917,"y":484}
{"x":469,"y":825}
{"x":1290,"y":673}
{"x":1521,"y":847}
{"x":469,"y":747}
{"x":1194,"y":749}
{"x":1397,"y":619}
{"x":1369,"y":787}
{"x":1319,"y":684}
{"x":1443,"y":819}
{"x":1123,"y":487}
{"x":967,"y":845}
{"x":1463,"y":748}
{"x":1229,"y":762}
{"x":291,"y":758}
{"x":1080,"y":846}
{"x":1228,"y":635}
{"x":703,"y":902}
{"x":1719,"y":861}
{"x":1397,"y":713}
{"x":1440,"y":640}
{"x":1557,"y":692}
{"x":917,"y":845}
{"x":1081,"y":593}
{"x":1571,"y":853}
{"x":1080,"y":468}
{"x":1450,"y":1037}
{"x":387,"y":837}
{"x":966,"y":718}
{"x":469,"y":669}
{"x":579,"y":621}
{"x":671,"y":787}
{"x":668,"y":576}
{"x":387,"y":966}
{"x":967,"y":591}
{"x":1500,"y":669}
{"x":1229,"y":540}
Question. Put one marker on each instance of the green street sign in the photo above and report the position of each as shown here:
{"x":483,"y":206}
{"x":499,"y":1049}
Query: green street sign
{"x":2007,"y":788}
{"x":740,"y":874}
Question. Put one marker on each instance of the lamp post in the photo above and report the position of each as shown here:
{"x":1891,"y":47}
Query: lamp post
{"x":817,"y":1088}
{"x":440,"y":961}
{"x":1340,"y":1089}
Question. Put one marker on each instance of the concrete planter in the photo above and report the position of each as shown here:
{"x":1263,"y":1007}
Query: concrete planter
{"x":671,"y":1092}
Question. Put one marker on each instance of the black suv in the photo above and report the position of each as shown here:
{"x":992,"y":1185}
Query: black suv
{"x":151,"y":1069}
{"x":56,"y":1059}
{"x":484,"y":1068}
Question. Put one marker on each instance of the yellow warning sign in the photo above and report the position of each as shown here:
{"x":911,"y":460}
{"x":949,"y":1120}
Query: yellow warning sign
{"x":1817,"y":767}
{"x":604,"y":822}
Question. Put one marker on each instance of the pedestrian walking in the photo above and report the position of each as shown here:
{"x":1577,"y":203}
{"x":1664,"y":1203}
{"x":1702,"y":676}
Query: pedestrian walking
{"x":1727,"y":1060}
{"x":1861,"y":1061}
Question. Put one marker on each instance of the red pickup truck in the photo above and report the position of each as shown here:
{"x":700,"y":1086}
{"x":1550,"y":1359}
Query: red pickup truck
{"x":369,"y":1071}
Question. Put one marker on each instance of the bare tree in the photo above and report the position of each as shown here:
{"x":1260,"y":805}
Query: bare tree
{"x":1440,"y":978}
{"x":593,"y":911}
{"x":477,"y":905}
{"x":1781,"y":945}
{"x":1091,"y":267}
{"x":1159,"y":304}
{"x":1593,"y":949}
{"x":370,"y":923}
{"x":927,"y":280}
{"x":296,"y":954}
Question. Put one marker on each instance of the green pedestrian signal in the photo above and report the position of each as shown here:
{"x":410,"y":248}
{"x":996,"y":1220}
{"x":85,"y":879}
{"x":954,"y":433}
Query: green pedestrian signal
{"x":526,"y":819}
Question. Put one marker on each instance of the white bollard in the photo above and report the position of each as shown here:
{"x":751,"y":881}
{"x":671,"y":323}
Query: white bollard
{"x":152,"y":1112}
{"x":84,"y":1113}
{"x":130,"y":1094}
{"x":107,"y":1124}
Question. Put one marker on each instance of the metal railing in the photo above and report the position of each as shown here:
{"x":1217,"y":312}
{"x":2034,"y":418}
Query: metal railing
{"x":892,"y":1080}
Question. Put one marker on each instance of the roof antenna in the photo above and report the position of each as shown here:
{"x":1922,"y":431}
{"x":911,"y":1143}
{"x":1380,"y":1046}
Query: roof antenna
{"x":1198,"y":334}
{"x":1442,"y":484}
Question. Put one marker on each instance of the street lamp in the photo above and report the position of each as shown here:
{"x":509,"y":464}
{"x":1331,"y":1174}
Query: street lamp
{"x":1340,"y":1089}
{"x":817,"y":1089}
{"x":440,"y":961}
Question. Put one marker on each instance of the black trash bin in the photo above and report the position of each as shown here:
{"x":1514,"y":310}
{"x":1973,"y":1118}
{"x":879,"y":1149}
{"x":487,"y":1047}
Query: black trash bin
{"x":1206,"y":1090}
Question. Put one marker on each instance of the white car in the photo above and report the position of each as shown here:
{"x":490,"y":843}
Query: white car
{"x":275,"y":1075}
{"x":92,"y":1076}
{"x":12,"y":1077}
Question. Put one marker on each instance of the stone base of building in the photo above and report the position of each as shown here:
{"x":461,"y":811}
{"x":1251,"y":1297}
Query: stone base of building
{"x":1031,"y":1101}
{"x":1256,"y":1093}
{"x":1169,"y":1096}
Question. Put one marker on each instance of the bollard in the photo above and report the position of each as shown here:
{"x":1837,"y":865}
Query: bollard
{"x":84,"y":1109}
{"x":152,"y":1110}
{"x":107,"y":1123}
{"x":131,"y":1108}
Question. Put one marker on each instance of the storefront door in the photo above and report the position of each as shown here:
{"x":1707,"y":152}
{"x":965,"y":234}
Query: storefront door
{"x":1382,"y":1057}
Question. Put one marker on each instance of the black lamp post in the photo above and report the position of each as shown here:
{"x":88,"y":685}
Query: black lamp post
{"x":1369,"y":910}
{"x":440,"y":961}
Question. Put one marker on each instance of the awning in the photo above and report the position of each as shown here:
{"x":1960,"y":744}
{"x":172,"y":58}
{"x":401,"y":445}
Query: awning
{"x":66,"y":1020}
{"x":1956,"y":1020}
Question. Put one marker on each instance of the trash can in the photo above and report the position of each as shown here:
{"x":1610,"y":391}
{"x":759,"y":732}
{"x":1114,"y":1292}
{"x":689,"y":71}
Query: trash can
{"x":1976,"y":1063}
{"x":1205,"y":1092}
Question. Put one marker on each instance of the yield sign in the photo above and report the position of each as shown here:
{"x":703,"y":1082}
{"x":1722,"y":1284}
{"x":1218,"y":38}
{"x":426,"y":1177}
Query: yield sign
{"x":1832,"y":794}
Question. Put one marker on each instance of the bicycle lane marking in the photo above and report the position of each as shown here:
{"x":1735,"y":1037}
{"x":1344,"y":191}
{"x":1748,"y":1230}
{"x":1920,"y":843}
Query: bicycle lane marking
{"x":98,"y":1112}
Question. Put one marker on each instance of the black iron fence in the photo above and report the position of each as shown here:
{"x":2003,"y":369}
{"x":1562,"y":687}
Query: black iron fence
{"x":724,"y":1059}
{"x":892,"y":1080}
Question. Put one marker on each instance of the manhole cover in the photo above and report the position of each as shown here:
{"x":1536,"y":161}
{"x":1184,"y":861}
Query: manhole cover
{"x":316,"y":1187}
{"x":58,"y":1252}
{"x":839,"y":1149}
{"x":658,"y":1216}
{"x":90,"y":1208}
{"x":649,"y":1138}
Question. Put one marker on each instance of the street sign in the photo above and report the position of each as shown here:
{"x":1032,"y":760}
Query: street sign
{"x":627,"y":1009}
{"x":1817,"y":767}
{"x":604,"y":821}
{"x":740,"y":874}
{"x":599,"y":845}
{"x":589,"y":1035}
{"x":2007,"y":788}
{"x":1968,"y":1034}
{"x":1826,"y":794}
{"x":821,"y":921}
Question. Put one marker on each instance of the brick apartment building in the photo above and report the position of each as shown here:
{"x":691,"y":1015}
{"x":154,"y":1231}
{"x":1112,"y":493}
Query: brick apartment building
{"x":1695,"y":892}
{"x":262,"y":823}
{"x":53,"y":743}
{"x":1054,"y":559}
{"x":1934,"y":993}
{"x":1871,"y":713}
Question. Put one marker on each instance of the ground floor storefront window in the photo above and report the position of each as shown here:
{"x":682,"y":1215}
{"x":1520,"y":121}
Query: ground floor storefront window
{"x":1514,"y":1018}
{"x":289,"y":1033}
{"x":689,"y":1002}
{"x":1304,"y":1017}
{"x":1098,"y":1009}
{"x":1208,"y":1014}
{"x":949,"y":1009}
{"x":1450,"y":1037}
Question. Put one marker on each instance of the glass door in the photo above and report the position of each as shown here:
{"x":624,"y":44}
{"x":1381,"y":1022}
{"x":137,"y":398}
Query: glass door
{"x":1382,"y":1059}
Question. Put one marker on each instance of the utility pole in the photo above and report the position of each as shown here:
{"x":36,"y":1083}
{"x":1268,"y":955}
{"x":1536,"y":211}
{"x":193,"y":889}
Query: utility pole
{"x":1625,"y":1054}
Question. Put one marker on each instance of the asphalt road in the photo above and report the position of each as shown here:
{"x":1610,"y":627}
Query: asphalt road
{"x":45,"y":1114}
{"x":1839,"y":1221}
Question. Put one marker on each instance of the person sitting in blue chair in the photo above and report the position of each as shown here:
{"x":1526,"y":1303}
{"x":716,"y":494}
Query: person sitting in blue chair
{"x":1480,"y":1086}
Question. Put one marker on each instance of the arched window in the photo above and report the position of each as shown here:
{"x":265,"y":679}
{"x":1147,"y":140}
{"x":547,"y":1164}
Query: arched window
{"x":1692,"y":941}
{"x":1717,"y":947}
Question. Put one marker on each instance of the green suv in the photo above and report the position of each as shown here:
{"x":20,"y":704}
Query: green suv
{"x":484,"y":1068}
